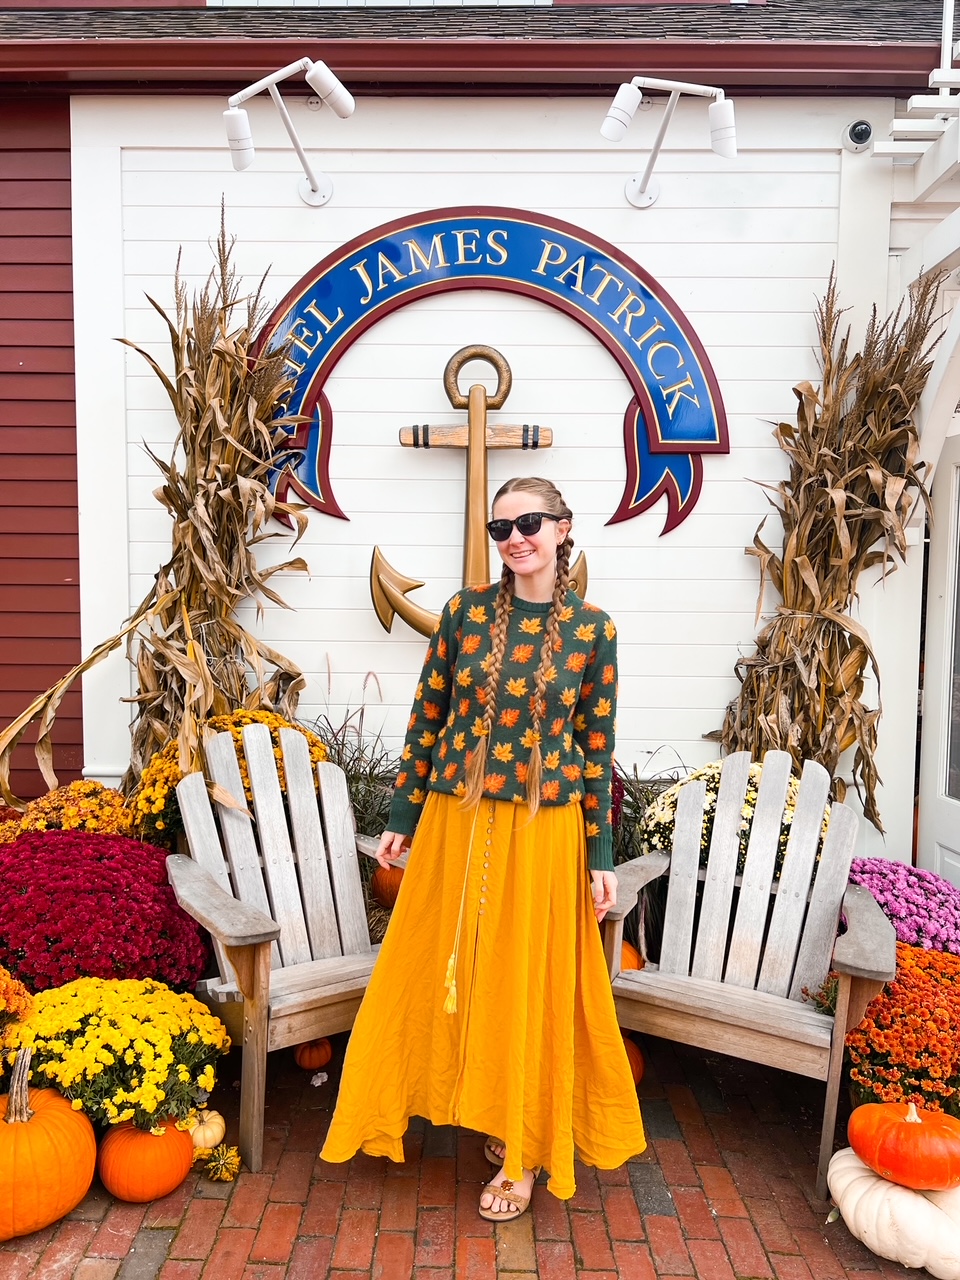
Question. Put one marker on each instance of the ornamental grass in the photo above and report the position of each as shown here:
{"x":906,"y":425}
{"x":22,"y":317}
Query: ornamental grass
{"x":121,"y":1050}
{"x":855,"y":478}
{"x":192,"y":658}
{"x":906,"y":1049}
{"x":78,"y":904}
{"x":156,"y":813}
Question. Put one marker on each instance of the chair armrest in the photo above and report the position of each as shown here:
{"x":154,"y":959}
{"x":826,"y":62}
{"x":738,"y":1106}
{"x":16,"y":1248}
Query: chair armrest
{"x":369,"y":846}
{"x":232,"y":923}
{"x":869,"y":947}
{"x":632,"y":876}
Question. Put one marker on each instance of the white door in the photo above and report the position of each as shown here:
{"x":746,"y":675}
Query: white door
{"x":939,"y":843}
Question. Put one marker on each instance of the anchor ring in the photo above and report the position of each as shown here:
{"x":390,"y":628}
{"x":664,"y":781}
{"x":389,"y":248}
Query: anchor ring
{"x":492,"y":357}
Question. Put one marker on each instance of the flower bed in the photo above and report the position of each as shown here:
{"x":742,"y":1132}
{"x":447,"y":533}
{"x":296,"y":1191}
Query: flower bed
{"x":924,"y":908}
{"x":122,"y":1051}
{"x":906,"y":1049}
{"x":84,"y":805}
{"x":79,"y":905}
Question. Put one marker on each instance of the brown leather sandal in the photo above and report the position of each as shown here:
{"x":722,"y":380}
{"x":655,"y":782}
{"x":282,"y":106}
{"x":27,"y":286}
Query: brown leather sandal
{"x":506,"y":1192}
{"x":489,"y":1152}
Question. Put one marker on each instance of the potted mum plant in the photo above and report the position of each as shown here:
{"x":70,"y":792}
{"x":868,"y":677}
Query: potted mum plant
{"x":137,"y":1058}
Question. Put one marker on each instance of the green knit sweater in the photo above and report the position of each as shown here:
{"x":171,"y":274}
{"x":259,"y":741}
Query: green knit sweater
{"x":577,"y":730}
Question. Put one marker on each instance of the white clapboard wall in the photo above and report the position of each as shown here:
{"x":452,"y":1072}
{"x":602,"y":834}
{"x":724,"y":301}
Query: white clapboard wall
{"x":744,"y":247}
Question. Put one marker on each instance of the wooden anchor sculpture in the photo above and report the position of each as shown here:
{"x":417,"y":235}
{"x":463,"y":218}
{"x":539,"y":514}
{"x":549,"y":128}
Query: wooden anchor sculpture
{"x":388,"y":587}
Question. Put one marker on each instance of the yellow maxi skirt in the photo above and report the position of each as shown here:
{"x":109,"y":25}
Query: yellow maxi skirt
{"x":532,"y":1054}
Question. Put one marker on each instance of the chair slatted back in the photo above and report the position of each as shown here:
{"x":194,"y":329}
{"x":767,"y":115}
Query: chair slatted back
{"x":276,"y":850}
{"x":205,"y":849}
{"x":236,"y":829}
{"x":684,"y":872}
{"x":778,"y":951}
{"x":790,"y":906}
{"x":759,"y":870}
{"x":833,"y":874}
{"x":342,"y":852}
{"x":279,"y":860}
{"x":721,"y":870}
{"x":307,"y":832}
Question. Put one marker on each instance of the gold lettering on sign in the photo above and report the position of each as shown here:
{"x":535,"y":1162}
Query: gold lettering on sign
{"x":494,"y":244}
{"x":607,"y":277}
{"x":546,"y":260}
{"x":463,"y":248}
{"x":426,"y":259}
{"x":677,"y":392}
{"x":678,"y":388}
{"x":318,"y":315}
{"x":384,"y":264}
{"x":308,"y":341}
{"x":575,"y":269}
{"x":654,"y":328}
{"x":361,"y":269}
{"x":624,"y":310}
{"x":663,"y":346}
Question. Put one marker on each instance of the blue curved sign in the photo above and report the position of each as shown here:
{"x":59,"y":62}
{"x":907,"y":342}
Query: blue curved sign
{"x":674,"y":414}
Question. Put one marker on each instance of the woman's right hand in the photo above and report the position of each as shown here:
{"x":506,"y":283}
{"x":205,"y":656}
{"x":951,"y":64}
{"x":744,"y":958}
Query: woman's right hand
{"x":392,"y":845}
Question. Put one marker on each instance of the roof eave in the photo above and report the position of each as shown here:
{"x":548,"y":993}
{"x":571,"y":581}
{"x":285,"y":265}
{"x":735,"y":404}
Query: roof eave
{"x":464,"y":64}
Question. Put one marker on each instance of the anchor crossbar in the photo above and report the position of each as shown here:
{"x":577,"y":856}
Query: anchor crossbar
{"x":527,"y":436}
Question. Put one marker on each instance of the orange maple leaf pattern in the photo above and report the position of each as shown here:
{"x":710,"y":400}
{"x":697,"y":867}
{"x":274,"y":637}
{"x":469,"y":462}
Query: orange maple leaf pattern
{"x":573,"y":719}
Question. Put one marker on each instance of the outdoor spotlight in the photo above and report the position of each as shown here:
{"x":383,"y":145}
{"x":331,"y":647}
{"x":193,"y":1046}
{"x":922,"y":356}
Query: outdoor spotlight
{"x":622,"y":110}
{"x":329,"y":89}
{"x":237,"y":124}
{"x":723,"y":129}
{"x":314,"y":189}
{"x":643,"y":191}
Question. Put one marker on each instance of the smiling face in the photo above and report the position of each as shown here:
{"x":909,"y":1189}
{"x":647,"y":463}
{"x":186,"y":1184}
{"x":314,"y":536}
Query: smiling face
{"x":533,"y":559}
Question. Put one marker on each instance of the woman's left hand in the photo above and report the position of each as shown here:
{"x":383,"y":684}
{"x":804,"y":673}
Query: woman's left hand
{"x":604,"y":884}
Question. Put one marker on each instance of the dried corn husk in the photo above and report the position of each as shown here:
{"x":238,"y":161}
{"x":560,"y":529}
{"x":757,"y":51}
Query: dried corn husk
{"x":855,"y":477}
{"x":192,"y":658}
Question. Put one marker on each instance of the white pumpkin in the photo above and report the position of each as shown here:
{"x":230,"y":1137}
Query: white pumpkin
{"x":209,"y":1129}
{"x":915,"y":1228}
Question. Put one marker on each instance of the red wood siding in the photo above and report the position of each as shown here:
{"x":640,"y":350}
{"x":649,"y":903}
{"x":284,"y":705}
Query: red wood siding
{"x":39,"y":570}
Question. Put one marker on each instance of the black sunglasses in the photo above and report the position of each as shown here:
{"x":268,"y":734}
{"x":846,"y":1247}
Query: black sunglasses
{"x":527,"y":525}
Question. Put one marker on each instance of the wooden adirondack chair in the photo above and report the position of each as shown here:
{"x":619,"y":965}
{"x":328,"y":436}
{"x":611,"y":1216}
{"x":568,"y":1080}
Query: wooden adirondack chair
{"x":731,"y":973}
{"x":283,"y":900}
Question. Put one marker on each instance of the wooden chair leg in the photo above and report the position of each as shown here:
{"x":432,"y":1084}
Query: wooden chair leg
{"x":834,"y":1073}
{"x":252,"y":965}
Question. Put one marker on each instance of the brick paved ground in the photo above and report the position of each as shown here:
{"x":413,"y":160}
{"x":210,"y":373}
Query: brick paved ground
{"x":725,"y":1189}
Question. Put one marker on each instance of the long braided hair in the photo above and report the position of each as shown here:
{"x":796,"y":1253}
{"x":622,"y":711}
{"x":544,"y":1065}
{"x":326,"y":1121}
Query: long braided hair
{"x":550,"y":500}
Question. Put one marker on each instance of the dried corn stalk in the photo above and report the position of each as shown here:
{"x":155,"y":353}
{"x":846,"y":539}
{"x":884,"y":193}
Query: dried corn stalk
{"x":854,"y":479}
{"x":192,"y":658}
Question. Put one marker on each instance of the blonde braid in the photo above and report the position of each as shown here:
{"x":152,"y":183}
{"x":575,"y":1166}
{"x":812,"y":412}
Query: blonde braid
{"x":476,"y":769}
{"x":547,"y":651}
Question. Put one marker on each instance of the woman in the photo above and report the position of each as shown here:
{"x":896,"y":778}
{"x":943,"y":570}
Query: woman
{"x":490,"y":1005}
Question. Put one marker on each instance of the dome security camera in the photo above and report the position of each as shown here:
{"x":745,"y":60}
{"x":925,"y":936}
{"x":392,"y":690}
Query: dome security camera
{"x":856,"y":136}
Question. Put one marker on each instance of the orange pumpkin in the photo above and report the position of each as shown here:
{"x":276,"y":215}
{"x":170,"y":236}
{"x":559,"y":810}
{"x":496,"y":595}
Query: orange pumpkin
{"x":385,"y":885}
{"x":917,"y":1149}
{"x":48,"y":1153}
{"x":139,"y":1166}
{"x":630,"y":957}
{"x":313,"y":1054}
{"x":635,"y":1058}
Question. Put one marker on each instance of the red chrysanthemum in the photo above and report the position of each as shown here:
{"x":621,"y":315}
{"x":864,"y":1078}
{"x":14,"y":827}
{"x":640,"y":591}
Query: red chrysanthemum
{"x":77,"y":904}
